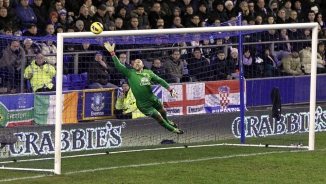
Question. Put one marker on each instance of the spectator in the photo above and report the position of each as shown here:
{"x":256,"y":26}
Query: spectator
{"x":40,"y":74}
{"x":219,"y":12}
{"x":199,"y":67}
{"x":11,"y":12}
{"x":79,"y":26}
{"x":49,"y":30}
{"x":119,"y":24}
{"x":110,"y":26}
{"x":30,"y":49}
{"x":124,"y":4}
{"x":305,"y":57}
{"x":6,"y":20}
{"x":248,"y":64}
{"x":273,"y":8}
{"x":122,"y":13}
{"x":244,"y":9}
{"x":281,"y":18}
{"x":53,"y":19}
{"x":158,"y":69}
{"x":272,"y":69}
{"x":311,"y":16}
{"x":261,"y":9}
{"x":85,"y":17}
{"x":232,"y":67}
{"x":194,"y":21}
{"x":55,"y":6}
{"x":91,"y":8}
{"x":26,"y":14}
{"x":287,"y":8}
{"x":203,"y":13}
{"x":102,"y":16}
{"x":321,"y":56}
{"x":174,"y":67}
{"x":111,"y":13}
{"x":270,"y":19}
{"x":320,"y":21}
{"x":133,"y":24}
{"x":49,"y":48}
{"x":31,"y":31}
{"x":293,"y":17}
{"x":41,"y":12}
{"x":220,"y":67}
{"x":11,"y":63}
{"x":156,"y":14}
{"x":126,"y":107}
{"x":292,"y":64}
{"x":142,"y":17}
{"x":165,"y":8}
{"x":64,"y":21}
{"x":177,"y":23}
{"x":187,"y":17}
{"x":251,"y":6}
{"x":229,"y":8}
{"x":99,"y":73}
{"x":118,"y":77}
{"x":300,"y":11}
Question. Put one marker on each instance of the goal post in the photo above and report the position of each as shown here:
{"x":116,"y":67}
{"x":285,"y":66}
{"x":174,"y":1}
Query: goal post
{"x":62,"y":36}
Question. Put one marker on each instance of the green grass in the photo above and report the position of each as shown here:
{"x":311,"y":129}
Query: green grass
{"x":216,"y":164}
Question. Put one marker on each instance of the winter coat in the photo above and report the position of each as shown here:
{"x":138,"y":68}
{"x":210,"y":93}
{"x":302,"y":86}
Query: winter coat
{"x":41,"y":76}
{"x":128,"y":104}
{"x":12,"y":59}
{"x":174,"y":68}
{"x":26,"y":15}
{"x":291,"y":65}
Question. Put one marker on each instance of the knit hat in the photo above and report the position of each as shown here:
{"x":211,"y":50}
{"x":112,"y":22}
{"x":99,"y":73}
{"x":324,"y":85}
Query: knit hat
{"x":62,"y":12}
{"x":228,"y":2}
{"x":99,"y":52}
{"x":27,"y":40}
{"x":79,"y":22}
{"x":234,"y":50}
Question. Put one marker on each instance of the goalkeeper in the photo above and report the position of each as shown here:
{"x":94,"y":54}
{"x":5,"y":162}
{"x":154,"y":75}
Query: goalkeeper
{"x":140,"y":83}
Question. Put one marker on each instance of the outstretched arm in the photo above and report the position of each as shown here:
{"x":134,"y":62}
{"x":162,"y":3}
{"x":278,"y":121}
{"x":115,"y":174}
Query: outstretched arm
{"x":123,"y":69}
{"x":163,"y":83}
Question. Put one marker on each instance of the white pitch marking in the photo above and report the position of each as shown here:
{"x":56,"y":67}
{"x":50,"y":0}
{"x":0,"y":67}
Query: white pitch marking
{"x":157,"y":163}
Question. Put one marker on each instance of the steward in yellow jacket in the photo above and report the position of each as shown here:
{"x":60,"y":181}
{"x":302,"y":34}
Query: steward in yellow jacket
{"x":127,"y":102}
{"x":40,"y":74}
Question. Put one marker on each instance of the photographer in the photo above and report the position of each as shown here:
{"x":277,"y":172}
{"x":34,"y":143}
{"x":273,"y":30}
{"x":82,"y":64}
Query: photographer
{"x":126,"y":104}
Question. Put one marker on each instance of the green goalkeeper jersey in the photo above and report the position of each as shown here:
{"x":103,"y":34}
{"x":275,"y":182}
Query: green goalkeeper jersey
{"x":140,"y":82}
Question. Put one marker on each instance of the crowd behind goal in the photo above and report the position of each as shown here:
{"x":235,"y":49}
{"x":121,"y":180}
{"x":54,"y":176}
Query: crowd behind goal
{"x":29,"y":27}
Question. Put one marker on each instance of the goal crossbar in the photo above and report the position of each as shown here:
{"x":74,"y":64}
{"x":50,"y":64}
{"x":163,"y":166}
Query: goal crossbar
{"x":61,"y":36}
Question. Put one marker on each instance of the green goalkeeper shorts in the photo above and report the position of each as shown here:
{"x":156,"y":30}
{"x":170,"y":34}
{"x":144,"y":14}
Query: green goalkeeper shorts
{"x":150,"y":107}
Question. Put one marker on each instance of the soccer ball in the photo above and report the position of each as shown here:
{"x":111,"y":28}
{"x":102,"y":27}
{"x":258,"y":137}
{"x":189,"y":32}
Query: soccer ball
{"x":96,"y":27}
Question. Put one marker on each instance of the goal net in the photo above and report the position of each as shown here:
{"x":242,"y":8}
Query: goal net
{"x":228,"y":94}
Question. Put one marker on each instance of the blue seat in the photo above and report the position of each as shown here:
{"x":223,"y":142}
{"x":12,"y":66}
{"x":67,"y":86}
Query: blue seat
{"x":76,"y":81}
{"x":84,"y":78}
{"x":65,"y":83}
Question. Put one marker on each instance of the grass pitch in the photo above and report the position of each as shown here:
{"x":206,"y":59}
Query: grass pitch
{"x":211,"y":164}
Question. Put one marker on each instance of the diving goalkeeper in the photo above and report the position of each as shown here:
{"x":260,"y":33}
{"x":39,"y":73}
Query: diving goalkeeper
{"x":140,"y":83}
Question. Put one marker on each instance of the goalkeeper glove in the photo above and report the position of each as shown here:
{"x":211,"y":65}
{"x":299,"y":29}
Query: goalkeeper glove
{"x":110,"y":47}
{"x":173,"y":93}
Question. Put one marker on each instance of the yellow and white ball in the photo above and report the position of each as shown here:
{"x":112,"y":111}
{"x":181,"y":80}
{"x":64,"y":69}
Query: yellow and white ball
{"x":97,"y":27}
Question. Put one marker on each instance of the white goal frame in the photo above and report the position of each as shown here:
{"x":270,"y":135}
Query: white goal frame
{"x":61,"y":36}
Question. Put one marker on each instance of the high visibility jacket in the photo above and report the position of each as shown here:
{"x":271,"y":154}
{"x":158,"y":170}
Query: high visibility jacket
{"x":41,"y":76}
{"x":128,"y":104}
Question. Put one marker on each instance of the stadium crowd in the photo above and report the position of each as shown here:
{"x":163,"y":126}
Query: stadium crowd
{"x":205,"y":60}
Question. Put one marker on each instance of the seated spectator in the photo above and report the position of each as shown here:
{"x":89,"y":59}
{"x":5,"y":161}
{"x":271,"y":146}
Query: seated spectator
{"x":233,"y":64}
{"x":292,"y":64}
{"x":40,"y":74}
{"x":99,"y":73}
{"x":272,"y":68}
{"x":220,"y":67}
{"x":102,"y":16}
{"x":6,"y":20}
{"x":305,"y":56}
{"x":41,"y":12}
{"x":126,"y":107}
{"x":48,"y":48}
{"x":31,"y":31}
{"x":177,"y":23}
{"x":85,"y":17}
{"x":158,"y":69}
{"x":25,"y":14}
{"x":31,"y":49}
{"x":91,"y":8}
{"x":79,"y":26}
{"x":49,"y":30}
{"x":248,"y":64}
{"x":53,"y":19}
{"x":174,"y":67}
{"x":142,"y":17}
{"x":199,"y":67}
{"x":11,"y":63}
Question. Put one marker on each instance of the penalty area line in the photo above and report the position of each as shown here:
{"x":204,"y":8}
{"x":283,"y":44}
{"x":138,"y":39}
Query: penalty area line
{"x":156,"y":163}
